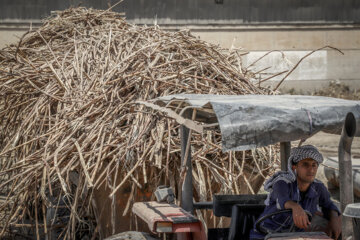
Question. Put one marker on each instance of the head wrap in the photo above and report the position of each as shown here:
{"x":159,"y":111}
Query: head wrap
{"x":296,"y":155}
{"x":307,"y":151}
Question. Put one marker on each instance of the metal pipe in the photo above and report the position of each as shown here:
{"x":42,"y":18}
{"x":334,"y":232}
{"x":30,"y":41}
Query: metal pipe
{"x":187,"y":186}
{"x":285,"y":148}
{"x":345,"y":171}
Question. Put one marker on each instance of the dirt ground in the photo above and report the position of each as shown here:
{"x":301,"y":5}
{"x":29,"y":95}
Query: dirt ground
{"x":328,"y":144}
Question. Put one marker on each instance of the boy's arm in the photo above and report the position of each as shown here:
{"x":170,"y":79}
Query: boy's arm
{"x":328,"y":207}
{"x":300,"y":218}
{"x":282,"y":196}
{"x":331,"y":212}
{"x":334,"y":226}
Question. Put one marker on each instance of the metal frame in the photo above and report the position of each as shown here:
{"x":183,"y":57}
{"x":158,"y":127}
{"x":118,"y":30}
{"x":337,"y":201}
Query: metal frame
{"x":186,"y":168}
{"x":186,"y":118}
{"x":345,"y":170}
{"x":186,"y":189}
{"x":285,"y":148}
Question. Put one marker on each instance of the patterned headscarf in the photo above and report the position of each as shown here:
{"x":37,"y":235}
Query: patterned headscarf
{"x":296,"y":155}
{"x":307,"y":151}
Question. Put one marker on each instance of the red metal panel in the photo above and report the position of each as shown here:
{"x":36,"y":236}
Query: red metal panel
{"x":153,"y":213}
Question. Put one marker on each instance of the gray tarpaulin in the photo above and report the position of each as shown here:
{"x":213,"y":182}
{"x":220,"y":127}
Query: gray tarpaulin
{"x":250,"y":121}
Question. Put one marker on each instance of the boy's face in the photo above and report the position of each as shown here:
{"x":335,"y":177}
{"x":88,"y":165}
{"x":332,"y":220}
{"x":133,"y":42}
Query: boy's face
{"x":306,"y":170}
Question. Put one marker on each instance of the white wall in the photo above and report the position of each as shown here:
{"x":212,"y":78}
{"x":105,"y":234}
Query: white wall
{"x":315,"y":71}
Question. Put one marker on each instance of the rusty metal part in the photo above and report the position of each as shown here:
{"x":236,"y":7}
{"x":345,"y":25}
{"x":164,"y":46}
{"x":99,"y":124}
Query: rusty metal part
{"x":345,"y":169}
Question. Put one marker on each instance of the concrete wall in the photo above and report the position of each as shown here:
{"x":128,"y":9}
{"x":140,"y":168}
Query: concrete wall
{"x":279,"y":37}
{"x":315,"y":71}
{"x":201,"y":11}
{"x":9,"y":36}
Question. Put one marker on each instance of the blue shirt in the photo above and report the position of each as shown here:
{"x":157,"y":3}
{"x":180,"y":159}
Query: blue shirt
{"x":316,"y":199}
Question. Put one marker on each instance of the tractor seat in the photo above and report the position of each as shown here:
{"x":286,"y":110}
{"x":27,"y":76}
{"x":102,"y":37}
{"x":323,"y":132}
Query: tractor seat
{"x":243,"y":219}
{"x":223,"y":204}
{"x":243,"y":210}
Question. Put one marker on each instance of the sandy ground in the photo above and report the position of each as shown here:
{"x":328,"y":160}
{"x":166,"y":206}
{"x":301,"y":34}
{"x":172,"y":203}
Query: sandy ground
{"x":328,"y":144}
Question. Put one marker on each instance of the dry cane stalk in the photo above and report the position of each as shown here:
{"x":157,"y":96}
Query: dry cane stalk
{"x":67,"y":105}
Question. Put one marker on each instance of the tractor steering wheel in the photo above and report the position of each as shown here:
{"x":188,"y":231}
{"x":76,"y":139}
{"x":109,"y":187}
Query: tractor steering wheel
{"x":265,"y":230}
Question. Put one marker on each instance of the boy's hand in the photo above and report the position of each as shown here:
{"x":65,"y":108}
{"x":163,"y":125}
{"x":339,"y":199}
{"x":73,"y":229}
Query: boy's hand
{"x":300,"y":218}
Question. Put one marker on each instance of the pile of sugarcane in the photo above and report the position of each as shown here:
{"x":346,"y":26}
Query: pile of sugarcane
{"x":70,"y":127}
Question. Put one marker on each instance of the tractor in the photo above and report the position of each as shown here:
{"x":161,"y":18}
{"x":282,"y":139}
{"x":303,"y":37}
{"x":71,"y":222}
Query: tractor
{"x":247,"y":122}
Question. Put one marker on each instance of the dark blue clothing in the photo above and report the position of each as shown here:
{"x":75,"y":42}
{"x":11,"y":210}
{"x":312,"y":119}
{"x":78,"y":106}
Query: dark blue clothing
{"x":317,"y":199}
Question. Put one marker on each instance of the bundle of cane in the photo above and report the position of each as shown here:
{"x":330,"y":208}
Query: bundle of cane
{"x":70,"y":126}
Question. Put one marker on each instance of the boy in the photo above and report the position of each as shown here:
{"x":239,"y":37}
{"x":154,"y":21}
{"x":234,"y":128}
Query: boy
{"x":298,"y":190}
